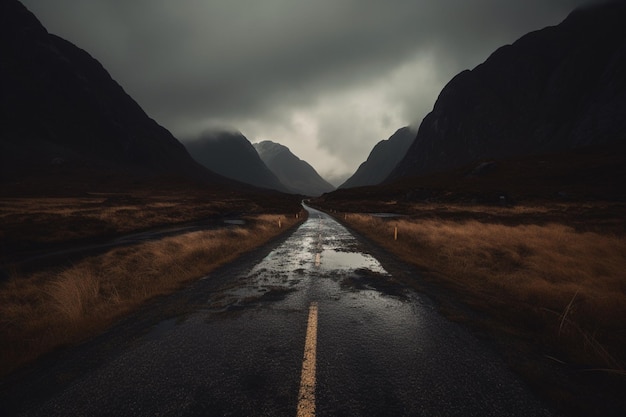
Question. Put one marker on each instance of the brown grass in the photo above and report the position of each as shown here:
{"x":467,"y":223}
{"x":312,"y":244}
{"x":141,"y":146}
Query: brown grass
{"x":27,"y":221}
{"x":55,"y":307}
{"x":34,"y":222}
{"x":559,"y":286}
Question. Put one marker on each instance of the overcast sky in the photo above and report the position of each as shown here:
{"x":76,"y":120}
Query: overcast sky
{"x":327,"y":78}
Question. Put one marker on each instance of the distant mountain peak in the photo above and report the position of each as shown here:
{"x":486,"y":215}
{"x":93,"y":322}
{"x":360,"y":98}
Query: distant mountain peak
{"x":382,"y":159}
{"x":230,"y":153}
{"x":298,"y":175}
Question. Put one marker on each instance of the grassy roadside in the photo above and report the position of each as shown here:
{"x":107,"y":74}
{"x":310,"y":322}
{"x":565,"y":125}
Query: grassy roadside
{"x":555,"y":293}
{"x":28,"y":222}
{"x":60,"y":306}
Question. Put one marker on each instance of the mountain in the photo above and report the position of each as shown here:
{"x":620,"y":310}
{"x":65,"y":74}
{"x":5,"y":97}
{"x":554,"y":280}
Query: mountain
{"x":232,"y":155}
{"x":62,"y":113}
{"x":553,"y":90}
{"x":382,"y":159}
{"x":296,"y":174}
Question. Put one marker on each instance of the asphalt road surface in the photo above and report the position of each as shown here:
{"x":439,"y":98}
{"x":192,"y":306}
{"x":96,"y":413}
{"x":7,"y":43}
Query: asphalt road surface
{"x":313,"y":326}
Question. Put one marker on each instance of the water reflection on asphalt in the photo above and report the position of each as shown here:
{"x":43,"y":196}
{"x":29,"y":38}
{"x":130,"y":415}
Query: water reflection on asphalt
{"x":383,"y":349}
{"x":321,"y":260}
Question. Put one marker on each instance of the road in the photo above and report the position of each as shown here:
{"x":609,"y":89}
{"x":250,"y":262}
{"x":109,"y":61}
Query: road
{"x":313,"y":326}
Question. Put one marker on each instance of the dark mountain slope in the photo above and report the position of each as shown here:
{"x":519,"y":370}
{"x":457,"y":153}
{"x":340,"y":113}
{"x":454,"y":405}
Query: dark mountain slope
{"x":296,"y":174}
{"x":232,"y":155}
{"x":555,"y":89}
{"x":382,"y":159}
{"x":60,"y":108}
{"x":586,"y":174}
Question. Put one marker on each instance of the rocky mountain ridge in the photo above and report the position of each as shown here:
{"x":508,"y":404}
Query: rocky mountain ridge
{"x":232,"y":155}
{"x":60,"y":110}
{"x":555,"y":89}
{"x":382,"y":159}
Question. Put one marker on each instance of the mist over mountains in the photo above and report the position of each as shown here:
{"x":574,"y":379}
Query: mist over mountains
{"x":540,"y":119}
{"x":554,"y":90}
{"x":63,"y":117}
{"x":232,"y":155}
{"x":265,"y":164}
{"x":297,"y":175}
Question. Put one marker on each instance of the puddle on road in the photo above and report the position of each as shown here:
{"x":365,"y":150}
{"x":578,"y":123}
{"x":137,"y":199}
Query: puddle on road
{"x":365,"y":279}
{"x":321,"y":260}
{"x":331,"y":259}
{"x":321,"y":256}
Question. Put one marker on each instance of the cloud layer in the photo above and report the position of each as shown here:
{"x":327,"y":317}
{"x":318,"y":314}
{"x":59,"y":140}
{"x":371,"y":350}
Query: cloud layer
{"x":327,"y":78}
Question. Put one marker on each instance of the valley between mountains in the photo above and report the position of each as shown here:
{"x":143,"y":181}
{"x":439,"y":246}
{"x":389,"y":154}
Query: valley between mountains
{"x":473,"y":264}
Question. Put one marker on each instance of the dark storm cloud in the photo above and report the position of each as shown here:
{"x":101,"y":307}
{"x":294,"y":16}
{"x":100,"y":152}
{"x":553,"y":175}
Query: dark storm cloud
{"x":271,"y":64}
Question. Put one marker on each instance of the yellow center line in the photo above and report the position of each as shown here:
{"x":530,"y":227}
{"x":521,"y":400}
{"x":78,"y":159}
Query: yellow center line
{"x":306,"y":396}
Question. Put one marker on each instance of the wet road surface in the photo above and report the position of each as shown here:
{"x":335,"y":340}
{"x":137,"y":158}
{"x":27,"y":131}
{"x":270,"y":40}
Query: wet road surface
{"x":315,"y":326}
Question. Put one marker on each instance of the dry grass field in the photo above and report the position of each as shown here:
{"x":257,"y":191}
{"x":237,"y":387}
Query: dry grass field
{"x":68,"y":298}
{"x":63,"y":305}
{"x":31,"y":221}
{"x":565,"y":286}
{"x":545,"y":280}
